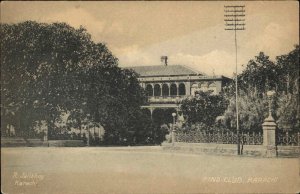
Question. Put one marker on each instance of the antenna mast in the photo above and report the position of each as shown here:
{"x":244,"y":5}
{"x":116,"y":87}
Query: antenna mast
{"x":234,"y":17}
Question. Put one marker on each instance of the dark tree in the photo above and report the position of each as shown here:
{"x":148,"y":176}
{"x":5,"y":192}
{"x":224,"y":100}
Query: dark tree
{"x":51,"y":69}
{"x":203,"y":108}
{"x":261,"y":75}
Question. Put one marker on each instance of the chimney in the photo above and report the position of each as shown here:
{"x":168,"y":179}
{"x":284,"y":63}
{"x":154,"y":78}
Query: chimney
{"x":164,"y":60}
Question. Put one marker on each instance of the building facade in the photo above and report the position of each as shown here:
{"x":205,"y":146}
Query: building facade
{"x":166,"y":85}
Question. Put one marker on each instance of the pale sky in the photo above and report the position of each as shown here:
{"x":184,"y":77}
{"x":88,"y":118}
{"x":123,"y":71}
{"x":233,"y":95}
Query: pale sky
{"x":190,"y":33}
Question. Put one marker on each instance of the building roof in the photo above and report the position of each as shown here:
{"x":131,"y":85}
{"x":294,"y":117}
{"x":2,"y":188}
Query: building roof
{"x":162,"y":70}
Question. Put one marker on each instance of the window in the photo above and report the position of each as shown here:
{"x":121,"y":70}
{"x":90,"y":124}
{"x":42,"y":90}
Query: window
{"x":173,"y":90}
{"x":181,"y":89}
{"x":165,"y":90}
{"x":157,"y":91}
{"x":149,"y":90}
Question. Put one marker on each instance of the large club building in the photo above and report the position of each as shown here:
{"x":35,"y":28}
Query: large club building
{"x":166,"y":85}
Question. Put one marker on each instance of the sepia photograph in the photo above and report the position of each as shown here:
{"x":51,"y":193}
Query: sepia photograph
{"x":140,"y":97}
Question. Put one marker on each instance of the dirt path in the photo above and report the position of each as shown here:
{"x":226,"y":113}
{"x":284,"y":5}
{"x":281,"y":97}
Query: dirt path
{"x":141,"y":170}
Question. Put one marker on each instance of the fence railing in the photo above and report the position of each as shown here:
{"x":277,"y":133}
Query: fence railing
{"x":288,"y":139}
{"x":22,"y":134}
{"x":252,"y":138}
{"x":218,"y":137}
{"x":282,"y":139}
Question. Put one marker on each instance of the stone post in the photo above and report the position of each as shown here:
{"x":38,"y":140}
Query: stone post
{"x":269,"y":138}
{"x":269,"y":131}
{"x":173,"y":130}
{"x":173,"y":136}
{"x":45,"y":134}
{"x":88,"y":136}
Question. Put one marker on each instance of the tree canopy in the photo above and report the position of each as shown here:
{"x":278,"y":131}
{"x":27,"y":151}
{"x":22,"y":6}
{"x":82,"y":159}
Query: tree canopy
{"x":48,"y":69}
{"x":261,"y":75}
{"x":203,"y":108}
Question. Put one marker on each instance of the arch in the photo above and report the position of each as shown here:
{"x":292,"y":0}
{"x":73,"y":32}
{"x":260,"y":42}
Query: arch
{"x":165,"y":90}
{"x":157,"y":91}
{"x":173,"y":90}
{"x":182,"y":89}
{"x":149,"y":90}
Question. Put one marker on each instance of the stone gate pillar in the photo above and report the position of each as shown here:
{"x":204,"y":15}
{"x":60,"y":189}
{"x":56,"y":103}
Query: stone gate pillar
{"x":269,"y":137}
{"x":269,"y":131}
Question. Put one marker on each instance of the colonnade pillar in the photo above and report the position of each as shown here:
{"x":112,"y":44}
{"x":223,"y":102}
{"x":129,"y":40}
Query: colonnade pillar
{"x":161,"y":90}
{"x":152,"y":89}
{"x":151,"y":112}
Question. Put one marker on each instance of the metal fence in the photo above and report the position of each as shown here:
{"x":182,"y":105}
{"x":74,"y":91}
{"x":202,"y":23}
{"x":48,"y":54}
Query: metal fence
{"x":22,"y":134}
{"x":218,"y":137}
{"x":288,"y":139}
{"x":282,"y":139}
